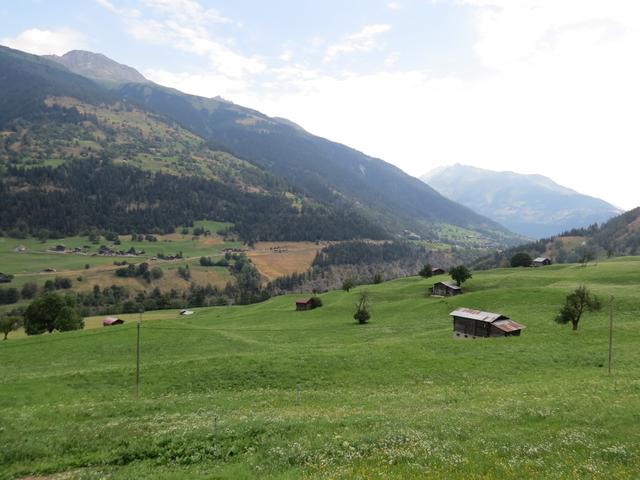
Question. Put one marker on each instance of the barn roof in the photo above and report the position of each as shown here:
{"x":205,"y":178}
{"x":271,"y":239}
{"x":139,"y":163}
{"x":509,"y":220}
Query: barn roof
{"x":508,"y":326}
{"x":478,"y":315}
{"x":303,"y":301}
{"x":541,"y":259}
{"x":111,"y":321}
{"x":450,"y":285}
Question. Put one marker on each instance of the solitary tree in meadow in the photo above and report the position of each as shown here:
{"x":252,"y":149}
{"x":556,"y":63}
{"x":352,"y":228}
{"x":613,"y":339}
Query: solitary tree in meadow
{"x":52,"y":312}
{"x":521,"y":259}
{"x":577,"y":302}
{"x":460,"y":274}
{"x":8,"y":324}
{"x":363,"y":314}
{"x":348,"y":284}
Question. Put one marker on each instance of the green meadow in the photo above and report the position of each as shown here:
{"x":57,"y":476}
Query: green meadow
{"x":263,"y":391}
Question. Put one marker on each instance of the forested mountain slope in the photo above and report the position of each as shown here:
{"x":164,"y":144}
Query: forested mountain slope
{"x":52,"y":117}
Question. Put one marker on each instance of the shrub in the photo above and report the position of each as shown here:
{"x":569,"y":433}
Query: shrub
{"x":316,"y":302}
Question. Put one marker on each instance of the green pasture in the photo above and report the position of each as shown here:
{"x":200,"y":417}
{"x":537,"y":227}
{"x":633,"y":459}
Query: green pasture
{"x":263,"y":391}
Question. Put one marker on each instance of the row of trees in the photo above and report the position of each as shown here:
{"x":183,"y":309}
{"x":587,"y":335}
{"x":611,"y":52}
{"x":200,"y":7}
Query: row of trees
{"x":47,"y":313}
{"x":29,"y":290}
{"x":97,"y":193}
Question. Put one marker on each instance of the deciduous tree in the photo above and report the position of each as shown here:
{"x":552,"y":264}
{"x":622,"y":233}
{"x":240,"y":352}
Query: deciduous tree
{"x":460,"y":274}
{"x":577,"y":302}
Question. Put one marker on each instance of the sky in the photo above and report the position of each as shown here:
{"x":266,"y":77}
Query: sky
{"x":549,"y":87}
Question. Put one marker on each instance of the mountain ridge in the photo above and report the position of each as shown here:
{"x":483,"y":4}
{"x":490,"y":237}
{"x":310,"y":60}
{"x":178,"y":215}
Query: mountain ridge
{"x":529,"y":204}
{"x":99,"y":67}
{"x":326,"y":174}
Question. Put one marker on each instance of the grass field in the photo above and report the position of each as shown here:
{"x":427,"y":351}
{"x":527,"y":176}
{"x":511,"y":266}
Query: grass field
{"x":28,"y":266}
{"x":277,"y":259}
{"x":263,"y":391}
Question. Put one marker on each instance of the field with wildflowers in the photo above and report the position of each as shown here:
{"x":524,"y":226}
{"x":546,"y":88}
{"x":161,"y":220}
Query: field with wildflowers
{"x":262,"y":391}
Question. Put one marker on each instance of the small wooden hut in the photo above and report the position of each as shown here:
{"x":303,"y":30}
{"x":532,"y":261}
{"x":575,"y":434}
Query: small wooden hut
{"x":444,"y":289}
{"x":304,"y":304}
{"x":469,"y":323}
{"x":541,"y":261}
{"x":110,"y":321}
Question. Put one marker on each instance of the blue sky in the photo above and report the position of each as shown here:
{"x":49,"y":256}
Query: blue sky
{"x":532,"y":86}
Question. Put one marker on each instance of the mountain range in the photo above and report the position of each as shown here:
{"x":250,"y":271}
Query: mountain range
{"x":90,"y":143}
{"x":531,"y":205}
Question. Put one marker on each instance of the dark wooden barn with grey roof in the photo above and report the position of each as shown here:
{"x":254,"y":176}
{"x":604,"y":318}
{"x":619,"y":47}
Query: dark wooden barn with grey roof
{"x":469,"y":323}
{"x":445,"y":289}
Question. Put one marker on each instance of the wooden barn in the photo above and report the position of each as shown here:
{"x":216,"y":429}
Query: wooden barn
{"x":437,"y":271}
{"x":304,"y":304}
{"x":110,"y":321}
{"x":469,"y":323}
{"x":444,"y":289}
{"x":541,"y":261}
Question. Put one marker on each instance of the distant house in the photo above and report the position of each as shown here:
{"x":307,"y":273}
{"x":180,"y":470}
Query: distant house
{"x":60,"y":248}
{"x":4,"y":278}
{"x":437,"y":271}
{"x":49,"y":270}
{"x":469,"y":323}
{"x":186,"y":312}
{"x":20,"y":249}
{"x":541,"y":261}
{"x":109,"y":321}
{"x":444,"y":289}
{"x":305,"y":304}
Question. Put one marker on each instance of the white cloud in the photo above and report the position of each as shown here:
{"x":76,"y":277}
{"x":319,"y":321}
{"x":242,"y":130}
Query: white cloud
{"x":46,"y":42}
{"x":185,"y":25}
{"x":363,"y":41}
{"x":394,"y":5}
{"x":556,"y":93}
{"x":186,"y":11}
{"x":204,"y":84}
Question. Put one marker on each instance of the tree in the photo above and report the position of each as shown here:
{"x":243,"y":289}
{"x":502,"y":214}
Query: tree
{"x":577,"y":302}
{"x":184,"y":272}
{"x":427,"y":271}
{"x":348,"y":284}
{"x":68,"y":319}
{"x":521,"y":259}
{"x":156,"y":273}
{"x":377,"y":278}
{"x":363,"y":304}
{"x":460,"y":274}
{"x":8,"y":324}
{"x":29,"y":290}
{"x":52,"y":312}
{"x":9,"y":296}
{"x":316,"y":302}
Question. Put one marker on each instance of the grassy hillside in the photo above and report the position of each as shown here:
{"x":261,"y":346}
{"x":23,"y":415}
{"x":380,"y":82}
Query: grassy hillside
{"x":266,"y":392}
{"x":617,"y":237}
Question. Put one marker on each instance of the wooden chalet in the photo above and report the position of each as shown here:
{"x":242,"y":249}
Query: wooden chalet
{"x":110,"y":321}
{"x":304,"y":304}
{"x":444,"y":289}
{"x":541,"y":261}
{"x":437,"y":271}
{"x":469,"y":323}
